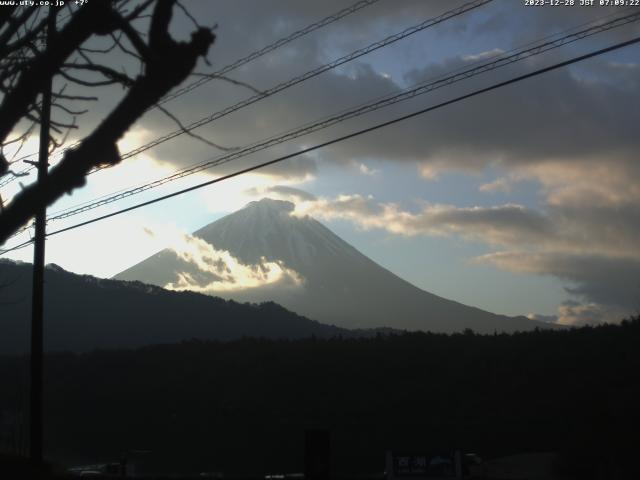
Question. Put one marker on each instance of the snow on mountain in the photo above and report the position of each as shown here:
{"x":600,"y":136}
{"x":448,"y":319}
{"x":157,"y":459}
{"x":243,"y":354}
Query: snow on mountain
{"x":337,"y":284}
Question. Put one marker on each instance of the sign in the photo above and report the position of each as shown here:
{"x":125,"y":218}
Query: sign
{"x":432,"y":465}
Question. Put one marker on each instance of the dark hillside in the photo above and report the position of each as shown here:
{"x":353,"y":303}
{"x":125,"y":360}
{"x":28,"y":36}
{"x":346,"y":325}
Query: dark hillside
{"x":84,"y":312}
{"x":243,"y":406}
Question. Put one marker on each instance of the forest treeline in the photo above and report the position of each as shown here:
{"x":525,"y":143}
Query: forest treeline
{"x":243,"y":406}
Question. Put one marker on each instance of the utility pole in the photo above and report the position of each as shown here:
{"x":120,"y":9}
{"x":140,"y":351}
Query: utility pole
{"x":37,"y":301}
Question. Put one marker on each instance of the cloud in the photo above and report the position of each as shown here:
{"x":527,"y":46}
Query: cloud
{"x":607,"y":280}
{"x":586,"y":184}
{"x":365,"y":170}
{"x":298,"y":105}
{"x":600,"y":265}
{"x":483,"y":55}
{"x":282,"y":192}
{"x":298,"y":169}
{"x":504,"y":224}
{"x":558,"y":117}
{"x":573,"y":229}
{"x":513,"y":121}
{"x":498,"y":185}
{"x":509,"y":18}
{"x":566,"y":116}
{"x":577,"y":314}
{"x":542,"y":318}
{"x":588,"y":314}
{"x":219,"y":272}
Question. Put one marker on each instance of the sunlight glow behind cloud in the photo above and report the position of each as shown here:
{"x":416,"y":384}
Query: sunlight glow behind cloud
{"x":225,"y":272}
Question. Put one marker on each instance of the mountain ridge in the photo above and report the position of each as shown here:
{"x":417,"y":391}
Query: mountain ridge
{"x":83,"y":312}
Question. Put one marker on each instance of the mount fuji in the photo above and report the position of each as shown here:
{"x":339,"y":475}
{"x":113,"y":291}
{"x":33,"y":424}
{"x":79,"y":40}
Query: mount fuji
{"x":322,"y":276}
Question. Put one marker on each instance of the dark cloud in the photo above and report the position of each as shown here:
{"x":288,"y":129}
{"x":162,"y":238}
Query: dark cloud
{"x":314,"y":99}
{"x":555,"y":116}
{"x":523,"y":23}
{"x":597,"y":278}
{"x":298,"y":168}
{"x":558,"y":115}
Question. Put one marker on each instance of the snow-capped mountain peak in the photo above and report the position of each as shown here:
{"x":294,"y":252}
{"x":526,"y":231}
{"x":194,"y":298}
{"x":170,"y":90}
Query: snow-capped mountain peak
{"x":338,"y":284}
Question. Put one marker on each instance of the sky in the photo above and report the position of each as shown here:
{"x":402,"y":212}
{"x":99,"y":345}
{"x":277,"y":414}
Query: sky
{"x":521,"y":201}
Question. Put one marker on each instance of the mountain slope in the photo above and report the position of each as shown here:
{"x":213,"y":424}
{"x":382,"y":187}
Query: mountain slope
{"x":341,"y":286}
{"x":84,"y":312}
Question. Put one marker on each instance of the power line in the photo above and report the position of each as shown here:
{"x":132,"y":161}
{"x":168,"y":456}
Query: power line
{"x":311,"y":74}
{"x":334,"y":17}
{"x":459,"y":74}
{"x":269,"y":48}
{"x":303,"y":77}
{"x":295,"y":80}
{"x":352,"y":113}
{"x":480,"y":91}
{"x":281,"y":86}
{"x":365,"y":108}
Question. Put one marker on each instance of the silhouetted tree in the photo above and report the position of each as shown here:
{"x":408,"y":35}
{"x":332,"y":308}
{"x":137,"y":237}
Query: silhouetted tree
{"x":242,"y":406}
{"x":27,"y":64}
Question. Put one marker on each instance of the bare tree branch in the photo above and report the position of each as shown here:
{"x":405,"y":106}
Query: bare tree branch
{"x":188,"y":14}
{"x":81,"y":26}
{"x":166,"y":64}
{"x":78,"y":98}
{"x":86,"y":83}
{"x":190,"y":133}
{"x":113,"y":75}
{"x":229,"y":80}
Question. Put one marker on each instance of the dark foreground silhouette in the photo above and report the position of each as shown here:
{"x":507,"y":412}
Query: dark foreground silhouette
{"x":242,"y":407}
{"x":85,"y":312}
